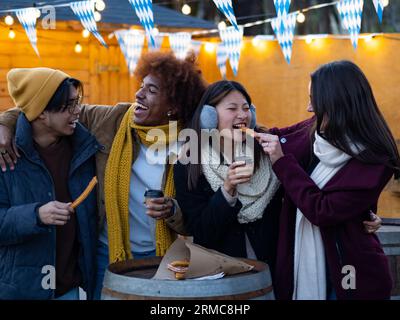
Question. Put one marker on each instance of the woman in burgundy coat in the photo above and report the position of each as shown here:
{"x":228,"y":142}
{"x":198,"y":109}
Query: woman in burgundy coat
{"x":333,"y":168}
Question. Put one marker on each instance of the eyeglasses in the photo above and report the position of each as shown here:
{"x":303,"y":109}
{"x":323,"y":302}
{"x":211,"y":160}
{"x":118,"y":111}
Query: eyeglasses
{"x":72,"y":105}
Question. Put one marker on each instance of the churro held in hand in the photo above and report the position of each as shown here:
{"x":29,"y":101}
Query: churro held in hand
{"x":85,"y":193}
{"x":248,"y":131}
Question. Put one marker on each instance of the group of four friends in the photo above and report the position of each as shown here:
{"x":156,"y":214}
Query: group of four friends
{"x":306,"y":208}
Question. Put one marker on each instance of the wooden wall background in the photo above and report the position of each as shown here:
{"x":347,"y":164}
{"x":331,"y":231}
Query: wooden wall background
{"x":279,"y":90}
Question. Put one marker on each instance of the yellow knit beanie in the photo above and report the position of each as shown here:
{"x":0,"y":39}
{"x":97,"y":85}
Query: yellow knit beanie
{"x":32,"y":88}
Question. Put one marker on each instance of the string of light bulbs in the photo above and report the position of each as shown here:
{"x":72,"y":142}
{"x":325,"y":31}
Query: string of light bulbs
{"x":9,"y":20}
{"x":300,"y":18}
{"x":100,"y":6}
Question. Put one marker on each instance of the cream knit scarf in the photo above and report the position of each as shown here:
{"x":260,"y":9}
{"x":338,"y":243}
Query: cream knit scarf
{"x":254,"y":195}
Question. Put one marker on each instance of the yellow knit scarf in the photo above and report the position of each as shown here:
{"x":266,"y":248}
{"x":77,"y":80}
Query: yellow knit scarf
{"x":116,"y":188}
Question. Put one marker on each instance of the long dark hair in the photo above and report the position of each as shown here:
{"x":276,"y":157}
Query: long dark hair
{"x":212,"y":96}
{"x":347,"y":113}
{"x":60,"y":98}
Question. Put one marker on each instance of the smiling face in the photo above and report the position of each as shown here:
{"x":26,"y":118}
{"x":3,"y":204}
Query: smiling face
{"x":233,"y":113}
{"x":152,"y":104}
{"x":63,"y":123}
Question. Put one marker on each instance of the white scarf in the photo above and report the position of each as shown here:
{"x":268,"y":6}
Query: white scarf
{"x":254,"y":195}
{"x":309,"y":253}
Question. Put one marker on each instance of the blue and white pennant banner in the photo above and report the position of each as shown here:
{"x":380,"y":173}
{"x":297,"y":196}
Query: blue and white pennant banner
{"x":282,"y":7}
{"x":379,"y":8}
{"x":144,"y":11}
{"x":222,"y":57}
{"x":232,"y":40}
{"x":180,"y":43}
{"x":350,"y":12}
{"x":225,"y":6}
{"x":131,"y":44}
{"x":84,"y":10}
{"x":195,"y":46}
{"x":283,"y":27}
{"x":158,"y":40}
{"x":27,"y":17}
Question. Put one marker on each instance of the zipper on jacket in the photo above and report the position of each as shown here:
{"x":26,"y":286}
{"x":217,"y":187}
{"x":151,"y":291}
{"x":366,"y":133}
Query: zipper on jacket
{"x":52,"y":227}
{"x":90,"y":154}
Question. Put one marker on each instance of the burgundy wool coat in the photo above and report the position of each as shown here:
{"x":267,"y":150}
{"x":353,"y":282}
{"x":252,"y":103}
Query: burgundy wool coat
{"x":339,"y":210}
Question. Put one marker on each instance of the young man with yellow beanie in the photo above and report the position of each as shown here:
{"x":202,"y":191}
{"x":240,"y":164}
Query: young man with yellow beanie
{"x":47,"y":248}
{"x":170,"y":91}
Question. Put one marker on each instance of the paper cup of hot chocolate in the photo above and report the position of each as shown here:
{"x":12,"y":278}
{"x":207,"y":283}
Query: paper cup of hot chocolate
{"x":152,"y":194}
{"x":248,"y":167}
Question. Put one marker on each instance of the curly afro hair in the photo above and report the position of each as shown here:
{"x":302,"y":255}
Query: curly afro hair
{"x":182,"y":79}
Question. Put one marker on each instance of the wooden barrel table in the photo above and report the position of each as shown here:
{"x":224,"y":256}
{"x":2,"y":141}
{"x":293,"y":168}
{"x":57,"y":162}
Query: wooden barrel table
{"x":389,"y":236}
{"x":132,"y":280}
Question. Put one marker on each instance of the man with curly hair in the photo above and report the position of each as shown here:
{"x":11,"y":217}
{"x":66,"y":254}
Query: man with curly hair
{"x":169,"y":93}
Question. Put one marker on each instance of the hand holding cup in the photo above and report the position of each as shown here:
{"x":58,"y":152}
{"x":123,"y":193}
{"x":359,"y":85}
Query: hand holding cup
{"x":158,"y":206}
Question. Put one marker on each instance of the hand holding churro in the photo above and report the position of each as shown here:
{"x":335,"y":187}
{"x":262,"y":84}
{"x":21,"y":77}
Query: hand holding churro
{"x":85,"y":193}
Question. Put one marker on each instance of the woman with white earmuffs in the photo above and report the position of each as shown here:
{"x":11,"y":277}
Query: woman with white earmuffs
{"x":229,"y":195}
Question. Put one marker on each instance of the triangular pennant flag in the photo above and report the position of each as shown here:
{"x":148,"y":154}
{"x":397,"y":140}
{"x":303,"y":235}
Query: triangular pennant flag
{"x":282,"y":7}
{"x":232,"y":40}
{"x":196,"y":46}
{"x":158,"y":40}
{"x":283,"y":27}
{"x":84,"y":10}
{"x":350,"y":12}
{"x":131,"y":44}
{"x":222,"y":56}
{"x":27,"y":17}
{"x":379,"y":8}
{"x":180,"y":43}
{"x":225,"y":6}
{"x":144,"y":11}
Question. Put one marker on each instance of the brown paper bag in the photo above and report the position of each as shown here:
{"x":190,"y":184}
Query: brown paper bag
{"x":203,"y":262}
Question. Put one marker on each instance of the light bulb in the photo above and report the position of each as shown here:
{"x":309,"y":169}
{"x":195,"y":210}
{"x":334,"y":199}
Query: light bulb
{"x":100,"y":5}
{"x":85,"y":33}
{"x":97,"y":16}
{"x":37,"y":13}
{"x":368,"y":38}
{"x":11,"y":34}
{"x":186,"y":9}
{"x":385,"y":3}
{"x":301,"y":17}
{"x":222,"y":25}
{"x":309,"y":39}
{"x":255,"y":42}
{"x":209,"y":47}
{"x":78,"y":48}
{"x":9,"y":20}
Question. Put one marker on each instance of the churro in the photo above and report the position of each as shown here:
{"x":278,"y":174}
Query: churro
{"x":85,"y":193}
{"x":248,"y":131}
{"x":179,"y":267}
